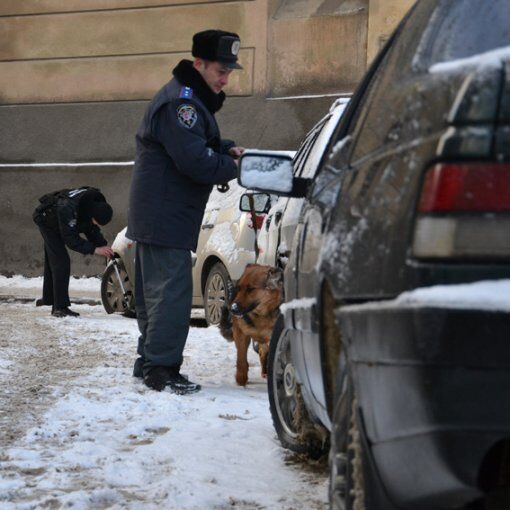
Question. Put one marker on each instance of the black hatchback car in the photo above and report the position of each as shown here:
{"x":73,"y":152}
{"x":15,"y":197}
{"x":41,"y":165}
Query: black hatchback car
{"x":415,"y":193}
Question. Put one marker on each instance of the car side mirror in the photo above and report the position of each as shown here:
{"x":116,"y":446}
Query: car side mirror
{"x":261,"y":202}
{"x":270,"y":173}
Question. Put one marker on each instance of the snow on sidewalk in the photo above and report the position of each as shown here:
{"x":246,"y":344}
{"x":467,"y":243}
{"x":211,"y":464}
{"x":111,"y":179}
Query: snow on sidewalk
{"x":21,"y":286}
{"x":107,"y":441}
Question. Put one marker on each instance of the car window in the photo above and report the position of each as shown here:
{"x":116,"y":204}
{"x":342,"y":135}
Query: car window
{"x":378,"y":115}
{"x":464,"y":28}
{"x":298,"y":158}
{"x":355,"y":110}
{"x":315,"y":151}
{"x":321,"y":141}
{"x":306,"y":146}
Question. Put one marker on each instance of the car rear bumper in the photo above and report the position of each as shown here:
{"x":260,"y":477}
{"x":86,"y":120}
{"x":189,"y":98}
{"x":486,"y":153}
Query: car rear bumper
{"x":433,"y":386}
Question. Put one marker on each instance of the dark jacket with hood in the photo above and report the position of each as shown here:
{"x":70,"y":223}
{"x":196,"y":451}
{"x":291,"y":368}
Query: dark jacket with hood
{"x":179,"y":157}
{"x":67,"y":212}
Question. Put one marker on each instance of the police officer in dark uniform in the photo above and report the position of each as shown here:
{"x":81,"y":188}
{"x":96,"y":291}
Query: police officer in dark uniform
{"x":61,"y":217}
{"x":179,"y":157}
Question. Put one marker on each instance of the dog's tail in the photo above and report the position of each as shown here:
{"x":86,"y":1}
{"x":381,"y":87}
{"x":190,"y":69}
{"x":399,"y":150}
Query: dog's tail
{"x":226,"y":324}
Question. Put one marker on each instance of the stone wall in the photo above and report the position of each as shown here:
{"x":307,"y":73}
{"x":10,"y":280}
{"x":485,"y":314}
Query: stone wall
{"x":255,"y":122}
{"x":76,"y":75}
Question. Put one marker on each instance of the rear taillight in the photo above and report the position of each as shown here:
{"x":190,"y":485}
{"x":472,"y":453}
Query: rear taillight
{"x":259,"y":219}
{"x":465,"y":188}
{"x":464,"y":212}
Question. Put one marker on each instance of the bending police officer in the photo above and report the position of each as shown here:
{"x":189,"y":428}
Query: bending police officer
{"x":61,"y":217}
{"x":179,"y":157}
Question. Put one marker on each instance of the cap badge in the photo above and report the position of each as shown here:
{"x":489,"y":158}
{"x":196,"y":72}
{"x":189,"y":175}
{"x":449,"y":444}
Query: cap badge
{"x":235,"y":47}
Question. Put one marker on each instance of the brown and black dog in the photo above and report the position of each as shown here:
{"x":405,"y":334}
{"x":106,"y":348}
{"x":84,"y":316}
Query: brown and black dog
{"x":252,"y":314}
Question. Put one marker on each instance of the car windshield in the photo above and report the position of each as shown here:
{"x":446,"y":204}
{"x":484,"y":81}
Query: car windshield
{"x":464,"y":28}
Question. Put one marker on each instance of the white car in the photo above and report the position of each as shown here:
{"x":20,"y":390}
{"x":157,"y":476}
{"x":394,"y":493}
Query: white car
{"x":225,"y":246}
{"x":277,"y":232}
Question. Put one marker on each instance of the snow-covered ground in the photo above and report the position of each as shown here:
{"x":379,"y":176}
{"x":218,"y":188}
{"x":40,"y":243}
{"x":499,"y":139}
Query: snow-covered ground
{"x":22,"y":282}
{"x":77,"y":430}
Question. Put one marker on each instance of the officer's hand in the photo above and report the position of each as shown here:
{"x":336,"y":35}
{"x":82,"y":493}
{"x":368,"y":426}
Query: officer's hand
{"x":104,"y":251}
{"x":236,"y":152}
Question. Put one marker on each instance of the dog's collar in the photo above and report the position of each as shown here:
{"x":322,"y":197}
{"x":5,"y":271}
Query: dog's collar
{"x":248,"y":320}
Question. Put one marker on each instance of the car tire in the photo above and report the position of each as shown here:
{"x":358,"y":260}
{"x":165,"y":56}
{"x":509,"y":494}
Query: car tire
{"x":291,"y":421}
{"x":346,"y":481}
{"x":217,"y":293}
{"x":111,"y":291}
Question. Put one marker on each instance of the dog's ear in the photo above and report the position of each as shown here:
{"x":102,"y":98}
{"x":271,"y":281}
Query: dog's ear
{"x":274,"y":278}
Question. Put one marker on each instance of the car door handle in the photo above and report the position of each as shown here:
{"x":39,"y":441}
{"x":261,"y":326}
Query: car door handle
{"x":277,"y":218}
{"x":207,"y":225}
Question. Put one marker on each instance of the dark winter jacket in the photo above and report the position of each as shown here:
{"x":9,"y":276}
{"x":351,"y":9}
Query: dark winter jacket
{"x":179,"y":157}
{"x":65,"y":212}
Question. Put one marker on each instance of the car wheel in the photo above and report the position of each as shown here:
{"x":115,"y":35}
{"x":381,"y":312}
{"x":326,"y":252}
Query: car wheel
{"x":217,"y":293}
{"x":293,"y":426}
{"x":346,"y":482}
{"x":111,"y":291}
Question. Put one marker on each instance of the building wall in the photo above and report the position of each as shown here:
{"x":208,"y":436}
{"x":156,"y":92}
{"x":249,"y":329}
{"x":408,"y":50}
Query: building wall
{"x":384,"y":17}
{"x":317,"y":46}
{"x":76,"y":76}
{"x":117,"y":54}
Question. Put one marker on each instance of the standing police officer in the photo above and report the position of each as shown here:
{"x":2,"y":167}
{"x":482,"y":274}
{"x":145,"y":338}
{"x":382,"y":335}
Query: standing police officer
{"x":179,"y":157}
{"x":61,"y":217}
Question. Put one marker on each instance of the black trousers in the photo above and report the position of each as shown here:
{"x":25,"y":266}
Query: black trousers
{"x":57,"y":269}
{"x":163,"y":295}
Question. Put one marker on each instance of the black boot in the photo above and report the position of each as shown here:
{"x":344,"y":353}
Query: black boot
{"x":156,"y":378}
{"x":180,"y":385}
{"x":64,"y":312}
{"x":159,"y":377}
{"x":40,"y":302}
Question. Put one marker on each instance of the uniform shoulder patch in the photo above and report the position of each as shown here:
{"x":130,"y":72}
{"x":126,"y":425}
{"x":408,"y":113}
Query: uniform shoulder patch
{"x":187,"y":115}
{"x":186,"y":93}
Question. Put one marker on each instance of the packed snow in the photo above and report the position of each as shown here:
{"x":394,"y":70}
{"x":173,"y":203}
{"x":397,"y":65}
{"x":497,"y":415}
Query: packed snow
{"x":223,"y":241}
{"x":488,"y":59}
{"x":339,"y":146}
{"x":295,"y":304}
{"x":484,"y":295}
{"x":77,"y":430}
{"x":267,"y":169}
{"x":22,"y":282}
{"x":490,"y":295}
